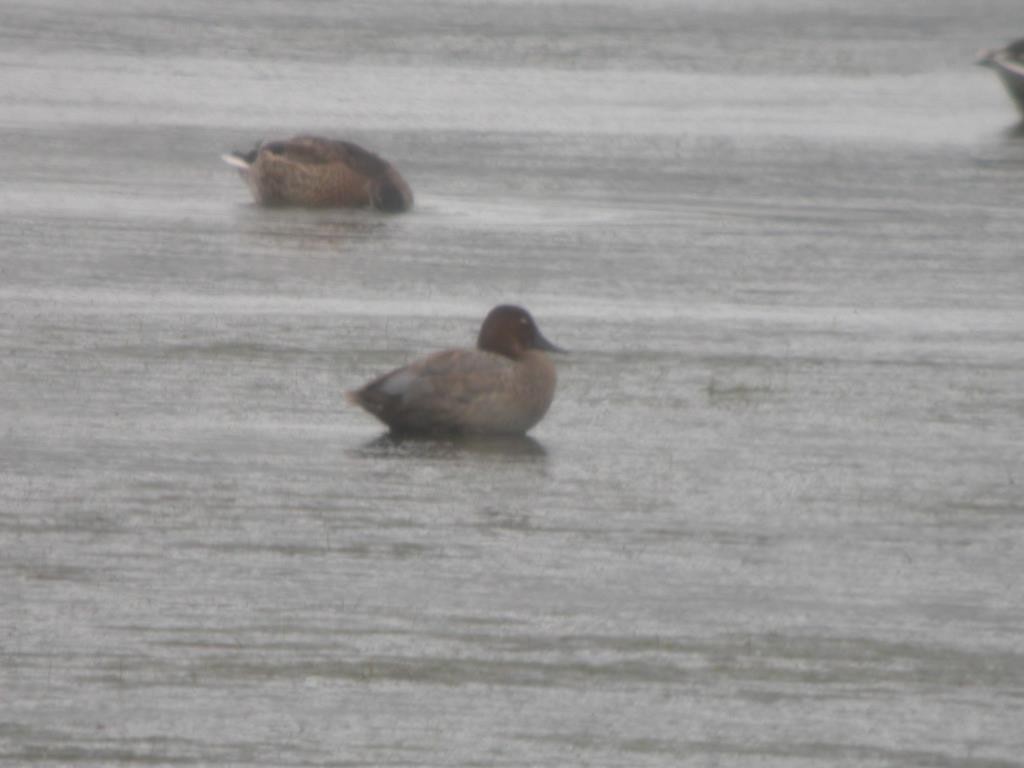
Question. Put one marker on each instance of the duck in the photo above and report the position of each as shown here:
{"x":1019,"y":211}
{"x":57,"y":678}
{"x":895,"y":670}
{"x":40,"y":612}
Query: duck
{"x":502,"y":387}
{"x":316,"y":172}
{"x":1008,"y":63}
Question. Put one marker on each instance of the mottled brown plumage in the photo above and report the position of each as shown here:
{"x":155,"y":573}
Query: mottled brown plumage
{"x":317,"y":172}
{"x":504,"y":386}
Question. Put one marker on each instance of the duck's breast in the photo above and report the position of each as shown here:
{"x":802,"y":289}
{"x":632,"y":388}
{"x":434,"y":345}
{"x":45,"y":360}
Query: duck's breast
{"x":511,"y":396}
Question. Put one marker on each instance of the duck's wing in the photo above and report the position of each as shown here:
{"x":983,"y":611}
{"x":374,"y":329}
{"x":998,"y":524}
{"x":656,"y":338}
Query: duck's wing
{"x":437,"y":393}
{"x":388,"y":190}
{"x":299,"y":152}
{"x":314,"y":149}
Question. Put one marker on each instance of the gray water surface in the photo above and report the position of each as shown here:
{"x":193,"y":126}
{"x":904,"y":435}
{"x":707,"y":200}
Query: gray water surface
{"x":773,"y":518}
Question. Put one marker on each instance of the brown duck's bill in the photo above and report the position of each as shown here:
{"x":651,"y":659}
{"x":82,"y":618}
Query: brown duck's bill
{"x":539,"y":342}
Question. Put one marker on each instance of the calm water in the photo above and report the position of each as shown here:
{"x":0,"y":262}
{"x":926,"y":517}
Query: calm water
{"x":775,"y":516}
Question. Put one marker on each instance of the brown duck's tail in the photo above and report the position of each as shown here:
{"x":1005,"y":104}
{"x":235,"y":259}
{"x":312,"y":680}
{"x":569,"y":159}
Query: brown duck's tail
{"x":242,"y":160}
{"x":370,"y":399}
{"x":374,"y":400}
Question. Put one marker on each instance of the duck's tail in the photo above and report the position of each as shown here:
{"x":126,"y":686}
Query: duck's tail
{"x":372,"y":399}
{"x":985,"y":57}
{"x":241,"y":160}
{"x":236,"y":160}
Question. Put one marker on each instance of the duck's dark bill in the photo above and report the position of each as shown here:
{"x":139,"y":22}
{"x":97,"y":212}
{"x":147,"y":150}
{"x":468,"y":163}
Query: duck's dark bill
{"x":541,"y":343}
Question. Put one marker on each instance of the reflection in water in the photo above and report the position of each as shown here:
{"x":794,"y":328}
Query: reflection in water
{"x":331,"y":225}
{"x":419,"y":447}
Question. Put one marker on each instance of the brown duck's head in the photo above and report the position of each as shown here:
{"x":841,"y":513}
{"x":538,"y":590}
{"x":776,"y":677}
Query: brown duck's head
{"x":510,"y":331}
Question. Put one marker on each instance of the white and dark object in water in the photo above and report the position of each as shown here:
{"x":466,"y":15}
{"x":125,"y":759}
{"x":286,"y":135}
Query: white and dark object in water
{"x":317,"y":172}
{"x":1008,"y":63}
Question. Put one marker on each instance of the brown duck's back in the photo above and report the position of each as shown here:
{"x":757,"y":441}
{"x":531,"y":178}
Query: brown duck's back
{"x":317,"y":150}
